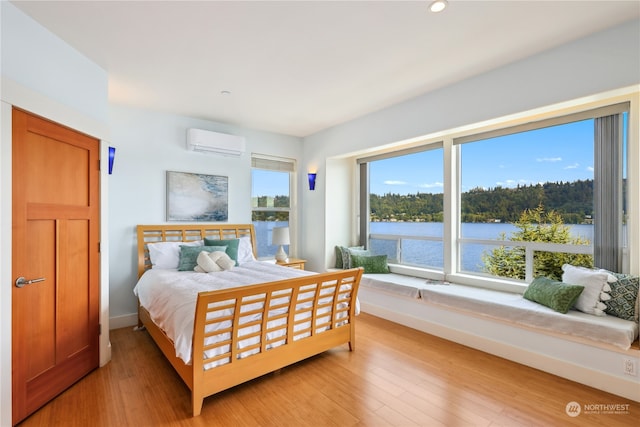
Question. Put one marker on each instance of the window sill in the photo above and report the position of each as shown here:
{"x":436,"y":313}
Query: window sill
{"x":487,"y":282}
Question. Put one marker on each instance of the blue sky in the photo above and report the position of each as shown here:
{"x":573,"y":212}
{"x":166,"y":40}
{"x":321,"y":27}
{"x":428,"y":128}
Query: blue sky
{"x":559,"y":153}
{"x":269,"y":183}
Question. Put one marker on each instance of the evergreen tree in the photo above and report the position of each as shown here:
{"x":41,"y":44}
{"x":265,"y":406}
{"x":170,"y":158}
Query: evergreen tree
{"x":535,"y":225}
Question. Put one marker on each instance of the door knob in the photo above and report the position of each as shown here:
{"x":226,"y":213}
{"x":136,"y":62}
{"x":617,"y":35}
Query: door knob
{"x":22,"y":282}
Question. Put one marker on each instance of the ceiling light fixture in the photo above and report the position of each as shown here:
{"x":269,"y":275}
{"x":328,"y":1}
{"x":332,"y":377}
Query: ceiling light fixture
{"x":438,"y":6}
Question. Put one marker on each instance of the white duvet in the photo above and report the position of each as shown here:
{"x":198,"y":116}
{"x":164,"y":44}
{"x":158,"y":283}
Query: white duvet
{"x":170,"y":295}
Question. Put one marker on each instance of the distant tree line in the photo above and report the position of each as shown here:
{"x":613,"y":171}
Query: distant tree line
{"x":572,"y":201}
{"x":270,"y":202}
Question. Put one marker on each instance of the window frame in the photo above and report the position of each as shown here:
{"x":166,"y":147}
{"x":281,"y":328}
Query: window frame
{"x":365,"y":207}
{"x":278,"y":164}
{"x":451,"y":143}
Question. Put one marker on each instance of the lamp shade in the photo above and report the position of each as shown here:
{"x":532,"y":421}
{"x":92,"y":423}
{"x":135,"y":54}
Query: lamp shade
{"x":280,"y":236}
{"x":312,"y":181}
{"x":112,"y":157}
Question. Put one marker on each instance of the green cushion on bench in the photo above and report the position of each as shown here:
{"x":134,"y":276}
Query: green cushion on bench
{"x":374,"y":264}
{"x":556,"y":295}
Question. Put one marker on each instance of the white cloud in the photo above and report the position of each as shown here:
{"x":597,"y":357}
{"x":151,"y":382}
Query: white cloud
{"x":395,"y":183}
{"x":573,"y":166}
{"x":434,"y":185}
{"x":549,"y":159}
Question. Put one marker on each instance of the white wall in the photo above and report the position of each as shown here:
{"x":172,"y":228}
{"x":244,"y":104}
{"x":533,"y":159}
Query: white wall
{"x":602,"y":62}
{"x":340,"y":199}
{"x":43,"y":75}
{"x":147,"y":145}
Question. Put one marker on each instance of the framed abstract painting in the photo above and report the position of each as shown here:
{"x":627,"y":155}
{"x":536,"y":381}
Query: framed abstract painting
{"x":197,"y":197}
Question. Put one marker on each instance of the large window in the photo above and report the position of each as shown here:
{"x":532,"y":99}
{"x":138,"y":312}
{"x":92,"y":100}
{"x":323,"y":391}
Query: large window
{"x":271,"y":199}
{"x":406,"y":206}
{"x":531,"y":186}
{"x":523,"y":200}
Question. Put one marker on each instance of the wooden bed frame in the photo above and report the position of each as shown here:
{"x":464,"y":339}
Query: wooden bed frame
{"x":329,"y":322}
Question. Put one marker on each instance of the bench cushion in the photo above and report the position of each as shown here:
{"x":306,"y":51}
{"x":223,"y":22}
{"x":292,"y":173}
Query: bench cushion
{"x":512,"y":307}
{"x":509,"y":307}
{"x":407,"y":286}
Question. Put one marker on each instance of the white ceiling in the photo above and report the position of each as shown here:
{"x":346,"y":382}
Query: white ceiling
{"x":297,"y":67}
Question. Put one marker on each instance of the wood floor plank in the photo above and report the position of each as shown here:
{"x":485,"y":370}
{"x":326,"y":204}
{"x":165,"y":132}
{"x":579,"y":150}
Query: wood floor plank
{"x":391,"y":417}
{"x":396,"y":377}
{"x":449,"y":413}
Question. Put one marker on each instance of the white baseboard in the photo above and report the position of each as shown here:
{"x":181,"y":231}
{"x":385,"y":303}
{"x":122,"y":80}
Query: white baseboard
{"x":123,"y":321}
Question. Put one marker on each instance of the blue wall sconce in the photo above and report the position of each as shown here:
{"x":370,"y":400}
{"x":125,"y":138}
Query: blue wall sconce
{"x":312,"y":181}
{"x":112,"y":156}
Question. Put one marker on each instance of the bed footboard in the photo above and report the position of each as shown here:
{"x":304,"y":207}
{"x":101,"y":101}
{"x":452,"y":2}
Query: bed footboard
{"x":243,"y":333}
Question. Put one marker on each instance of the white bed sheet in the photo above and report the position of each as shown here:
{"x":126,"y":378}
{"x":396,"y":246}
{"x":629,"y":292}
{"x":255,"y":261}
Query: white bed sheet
{"x":170,"y":295}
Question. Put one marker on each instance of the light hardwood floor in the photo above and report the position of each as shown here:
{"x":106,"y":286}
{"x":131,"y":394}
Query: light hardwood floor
{"x":396,"y":376}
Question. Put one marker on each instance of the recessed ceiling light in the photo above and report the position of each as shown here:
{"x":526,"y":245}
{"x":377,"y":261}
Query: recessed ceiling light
{"x":438,"y":6}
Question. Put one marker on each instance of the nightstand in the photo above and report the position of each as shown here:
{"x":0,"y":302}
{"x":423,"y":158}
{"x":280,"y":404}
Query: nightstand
{"x":293,"y":263}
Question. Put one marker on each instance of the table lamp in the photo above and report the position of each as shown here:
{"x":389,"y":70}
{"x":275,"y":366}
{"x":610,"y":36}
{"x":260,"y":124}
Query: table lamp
{"x":280,"y":237}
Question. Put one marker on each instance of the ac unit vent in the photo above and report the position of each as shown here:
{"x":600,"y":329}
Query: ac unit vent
{"x":205,"y":141}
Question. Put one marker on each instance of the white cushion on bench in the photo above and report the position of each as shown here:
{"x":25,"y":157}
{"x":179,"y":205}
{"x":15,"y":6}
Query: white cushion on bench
{"x":510,"y":307}
{"x":407,"y":286}
{"x":514,"y":308}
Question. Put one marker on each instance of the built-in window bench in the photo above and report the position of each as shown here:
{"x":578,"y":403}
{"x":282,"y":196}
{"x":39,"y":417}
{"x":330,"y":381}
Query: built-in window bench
{"x":588,"y":349}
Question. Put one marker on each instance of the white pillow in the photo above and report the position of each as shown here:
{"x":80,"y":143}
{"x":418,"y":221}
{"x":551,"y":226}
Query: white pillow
{"x":596,"y":288}
{"x":206,"y":264}
{"x":166,"y":255}
{"x":213,"y":261}
{"x":223,"y":260}
{"x":245,"y":250}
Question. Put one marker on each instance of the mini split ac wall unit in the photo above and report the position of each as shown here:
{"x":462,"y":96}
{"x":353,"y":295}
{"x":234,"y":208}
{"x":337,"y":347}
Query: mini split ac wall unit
{"x":205,"y":141}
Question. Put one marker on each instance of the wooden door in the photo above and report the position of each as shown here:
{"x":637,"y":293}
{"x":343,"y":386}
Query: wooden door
{"x":55,"y":321}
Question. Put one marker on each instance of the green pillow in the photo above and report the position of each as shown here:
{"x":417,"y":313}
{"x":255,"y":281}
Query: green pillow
{"x":339,"y":254}
{"x":624,"y":297}
{"x":556,"y":295}
{"x":189,"y":255}
{"x":338,"y":250}
{"x":346,"y":256}
{"x":375,"y":264}
{"x":232,"y":246}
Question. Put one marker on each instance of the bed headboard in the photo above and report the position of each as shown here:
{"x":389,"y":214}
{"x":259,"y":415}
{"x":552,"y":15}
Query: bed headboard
{"x":187,"y":233}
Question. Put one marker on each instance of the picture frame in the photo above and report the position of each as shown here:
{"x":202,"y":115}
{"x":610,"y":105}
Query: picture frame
{"x":197,"y":197}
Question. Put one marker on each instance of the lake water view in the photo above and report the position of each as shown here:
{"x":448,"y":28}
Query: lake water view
{"x":422,"y":252}
{"x":430,"y":253}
